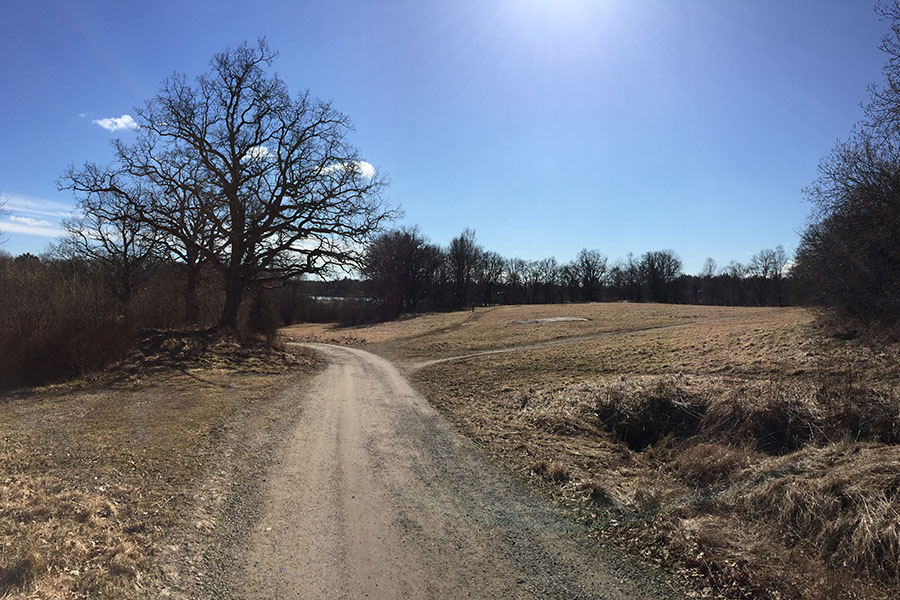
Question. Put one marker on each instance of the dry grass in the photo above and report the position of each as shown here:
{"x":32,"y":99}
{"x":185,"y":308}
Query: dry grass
{"x":95,"y":476}
{"x":743,"y":446}
{"x":440,"y":335}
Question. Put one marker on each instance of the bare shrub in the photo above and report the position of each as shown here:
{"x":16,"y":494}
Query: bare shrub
{"x":552,"y":472}
{"x":55,"y":323}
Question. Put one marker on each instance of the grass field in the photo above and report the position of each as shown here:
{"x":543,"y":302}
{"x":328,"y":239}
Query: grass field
{"x":98,"y":478}
{"x":742,"y":446}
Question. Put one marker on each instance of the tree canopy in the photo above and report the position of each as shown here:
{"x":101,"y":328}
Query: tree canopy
{"x":232,"y":170}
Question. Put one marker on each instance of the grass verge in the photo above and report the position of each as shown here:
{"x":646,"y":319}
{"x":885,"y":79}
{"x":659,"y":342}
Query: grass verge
{"x":96,"y":476}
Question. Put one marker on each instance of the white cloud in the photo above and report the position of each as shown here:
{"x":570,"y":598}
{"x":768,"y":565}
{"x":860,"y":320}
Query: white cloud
{"x":29,"y":221}
{"x":257,"y":153}
{"x":117,"y":123}
{"x":788,"y":266}
{"x":365,"y":169}
{"x":32,"y":216}
{"x":14,"y":227}
{"x":35,"y":206}
{"x":362,"y":167}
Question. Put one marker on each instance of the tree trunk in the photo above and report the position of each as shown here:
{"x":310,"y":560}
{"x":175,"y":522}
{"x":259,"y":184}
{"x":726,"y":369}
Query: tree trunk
{"x":191,"y":306}
{"x":233,"y":289}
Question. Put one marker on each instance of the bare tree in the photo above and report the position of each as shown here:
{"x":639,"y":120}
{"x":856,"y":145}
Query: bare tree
{"x":660,"y":269}
{"x":531,"y":277}
{"x":591,"y":265}
{"x":165,"y":193}
{"x":515,"y":273}
{"x":767,"y":269}
{"x":107,"y":231}
{"x":709,"y":269}
{"x":548,"y":276}
{"x":400,"y":265}
{"x":281,"y":188}
{"x":489,"y":275}
{"x":463,"y":256}
{"x":569,"y":280}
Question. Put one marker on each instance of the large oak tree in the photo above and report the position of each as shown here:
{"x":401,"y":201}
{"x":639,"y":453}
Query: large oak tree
{"x":270,"y":179}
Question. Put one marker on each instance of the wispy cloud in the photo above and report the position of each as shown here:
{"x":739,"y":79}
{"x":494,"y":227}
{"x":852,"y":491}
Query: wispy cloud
{"x":30,"y":222}
{"x":117,"y":123}
{"x":16,"y":203}
{"x":13,"y":227}
{"x":32,"y":216}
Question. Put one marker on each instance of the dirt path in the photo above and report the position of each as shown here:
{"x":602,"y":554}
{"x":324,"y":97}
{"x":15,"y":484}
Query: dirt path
{"x":376,"y":496}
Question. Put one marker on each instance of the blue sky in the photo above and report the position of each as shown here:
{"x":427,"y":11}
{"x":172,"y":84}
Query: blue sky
{"x":545,"y":125}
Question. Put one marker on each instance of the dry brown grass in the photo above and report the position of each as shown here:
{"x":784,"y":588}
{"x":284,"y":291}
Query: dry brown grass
{"x":743,"y":446}
{"x":440,"y":335}
{"x":95,"y":476}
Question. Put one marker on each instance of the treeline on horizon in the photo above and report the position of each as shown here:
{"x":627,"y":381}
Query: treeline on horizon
{"x":405,"y":273}
{"x":77,"y":308}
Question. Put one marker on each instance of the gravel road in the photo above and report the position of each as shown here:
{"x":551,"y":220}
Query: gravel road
{"x":376,"y":496}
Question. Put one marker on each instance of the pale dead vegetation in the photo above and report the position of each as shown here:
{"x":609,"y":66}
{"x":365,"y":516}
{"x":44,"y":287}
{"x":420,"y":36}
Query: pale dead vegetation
{"x":742,"y":446}
{"x":95,"y":476}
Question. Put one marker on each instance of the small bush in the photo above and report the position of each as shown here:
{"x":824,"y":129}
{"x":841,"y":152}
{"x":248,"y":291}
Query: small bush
{"x":552,"y":472}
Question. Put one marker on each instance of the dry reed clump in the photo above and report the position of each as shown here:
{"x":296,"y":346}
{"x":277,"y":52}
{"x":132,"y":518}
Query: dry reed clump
{"x":711,"y":464}
{"x":859,"y":412}
{"x":779,"y":418}
{"x":841,"y":502}
{"x":768,"y":415}
{"x":566,"y":411}
{"x":640,"y":411}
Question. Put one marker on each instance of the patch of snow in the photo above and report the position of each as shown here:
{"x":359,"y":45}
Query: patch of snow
{"x":549,"y":320}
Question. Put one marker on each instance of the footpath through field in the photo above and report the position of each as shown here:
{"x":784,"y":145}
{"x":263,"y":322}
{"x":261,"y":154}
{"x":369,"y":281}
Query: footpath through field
{"x":561,"y":341}
{"x":376,"y":496}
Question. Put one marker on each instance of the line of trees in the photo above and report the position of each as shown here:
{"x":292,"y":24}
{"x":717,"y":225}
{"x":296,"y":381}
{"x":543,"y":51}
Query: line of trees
{"x":848,"y":260}
{"x":406,"y":273}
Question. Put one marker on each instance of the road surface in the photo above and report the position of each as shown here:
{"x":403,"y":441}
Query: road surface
{"x":376,"y":496}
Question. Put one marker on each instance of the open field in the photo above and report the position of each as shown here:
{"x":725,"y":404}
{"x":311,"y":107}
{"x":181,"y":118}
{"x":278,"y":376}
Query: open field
{"x":741,"y":446}
{"x":106,"y":485}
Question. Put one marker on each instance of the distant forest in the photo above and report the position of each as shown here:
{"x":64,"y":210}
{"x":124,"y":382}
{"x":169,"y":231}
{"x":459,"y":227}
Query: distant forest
{"x":405,"y":273}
